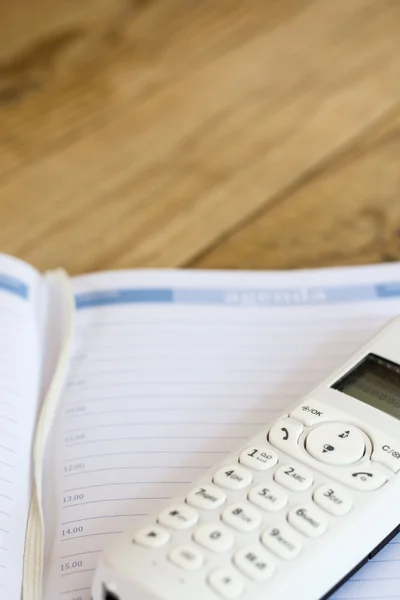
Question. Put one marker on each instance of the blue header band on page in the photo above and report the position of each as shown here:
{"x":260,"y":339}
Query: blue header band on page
{"x":307,"y":296}
{"x":14,"y":286}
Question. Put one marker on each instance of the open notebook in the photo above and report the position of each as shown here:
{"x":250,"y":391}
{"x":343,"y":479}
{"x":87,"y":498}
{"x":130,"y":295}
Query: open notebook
{"x":168,"y":370}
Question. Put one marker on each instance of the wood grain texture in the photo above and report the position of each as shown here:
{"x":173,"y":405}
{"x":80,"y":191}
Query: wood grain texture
{"x":143,"y":133}
{"x":349,"y":213}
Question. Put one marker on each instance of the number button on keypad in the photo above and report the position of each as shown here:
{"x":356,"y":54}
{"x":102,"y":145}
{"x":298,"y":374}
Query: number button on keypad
{"x":333,"y":499}
{"x":261,"y":458}
{"x":227,"y":583}
{"x":152,"y":536}
{"x":187,"y":557}
{"x":282,"y":540}
{"x":255,"y":563}
{"x":215,"y":537}
{"x":242,"y":517}
{"x":294,"y":478}
{"x":268,"y":497}
{"x":233,"y":477}
{"x":309,"y":520}
{"x":206,"y":497}
{"x":178,"y":517}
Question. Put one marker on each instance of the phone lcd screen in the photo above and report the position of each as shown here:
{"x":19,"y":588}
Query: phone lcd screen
{"x":375,"y":381}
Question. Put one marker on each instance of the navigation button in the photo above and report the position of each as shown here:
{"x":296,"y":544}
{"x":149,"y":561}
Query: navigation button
{"x":336,"y":443}
{"x":312,"y":412}
{"x":285,"y":434}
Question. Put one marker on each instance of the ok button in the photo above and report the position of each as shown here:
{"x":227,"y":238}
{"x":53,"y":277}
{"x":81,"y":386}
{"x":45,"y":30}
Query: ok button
{"x":336,"y":444}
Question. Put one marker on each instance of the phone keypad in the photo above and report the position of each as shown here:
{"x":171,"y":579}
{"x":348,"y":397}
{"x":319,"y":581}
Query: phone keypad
{"x":274,"y":484}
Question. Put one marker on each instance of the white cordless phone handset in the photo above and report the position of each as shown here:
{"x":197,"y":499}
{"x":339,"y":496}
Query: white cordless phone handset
{"x":292,"y":513}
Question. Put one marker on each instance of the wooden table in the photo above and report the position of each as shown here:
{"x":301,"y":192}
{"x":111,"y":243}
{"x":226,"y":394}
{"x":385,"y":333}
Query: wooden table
{"x":230,"y":134}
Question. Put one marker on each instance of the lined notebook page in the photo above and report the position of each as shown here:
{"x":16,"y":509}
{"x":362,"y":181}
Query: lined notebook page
{"x":19,"y":387}
{"x":173,"y":370}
